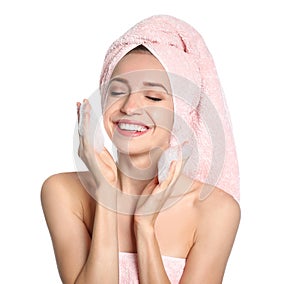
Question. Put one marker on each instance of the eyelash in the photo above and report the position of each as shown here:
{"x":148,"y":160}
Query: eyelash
{"x":153,"y":98}
{"x":117,"y":93}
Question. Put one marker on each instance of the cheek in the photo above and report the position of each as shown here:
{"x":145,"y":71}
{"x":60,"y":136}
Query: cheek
{"x":110,"y":104}
{"x":107,"y":122}
{"x":163,"y":118}
{"x":111,"y":107}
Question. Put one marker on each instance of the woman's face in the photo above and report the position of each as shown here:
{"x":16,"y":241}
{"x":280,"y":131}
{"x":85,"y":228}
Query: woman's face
{"x":138,"y":111}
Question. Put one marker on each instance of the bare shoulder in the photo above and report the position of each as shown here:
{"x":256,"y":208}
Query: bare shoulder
{"x":61,"y":180}
{"x":207,"y":199}
{"x":220,"y":208}
{"x":214,"y":200}
{"x":65,"y":190}
{"x":217,"y":220}
{"x":63,"y":185}
{"x":218,"y":205}
{"x":69,"y":214}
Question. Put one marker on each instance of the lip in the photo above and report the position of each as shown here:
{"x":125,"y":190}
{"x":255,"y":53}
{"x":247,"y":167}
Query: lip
{"x":131,"y":133}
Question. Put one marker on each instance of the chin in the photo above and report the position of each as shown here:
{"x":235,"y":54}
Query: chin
{"x":126,"y":149}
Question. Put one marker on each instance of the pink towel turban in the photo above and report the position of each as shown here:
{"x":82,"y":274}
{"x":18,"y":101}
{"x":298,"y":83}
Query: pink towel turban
{"x":202,"y":121}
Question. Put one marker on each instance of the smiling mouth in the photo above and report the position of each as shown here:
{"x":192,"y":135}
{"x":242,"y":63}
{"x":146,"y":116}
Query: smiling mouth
{"x":131,"y":129}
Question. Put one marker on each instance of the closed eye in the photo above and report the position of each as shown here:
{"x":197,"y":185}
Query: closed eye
{"x":153,"y":98}
{"x":117,"y":93}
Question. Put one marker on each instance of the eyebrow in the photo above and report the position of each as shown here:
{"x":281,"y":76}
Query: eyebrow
{"x":122,"y":80}
{"x":153,"y":84}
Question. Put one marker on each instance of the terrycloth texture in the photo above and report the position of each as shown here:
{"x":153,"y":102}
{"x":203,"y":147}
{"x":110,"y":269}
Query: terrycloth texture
{"x":199,"y":103}
{"x":129,"y":273}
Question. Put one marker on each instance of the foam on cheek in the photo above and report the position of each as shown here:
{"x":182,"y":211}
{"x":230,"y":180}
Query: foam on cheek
{"x":175,"y":153}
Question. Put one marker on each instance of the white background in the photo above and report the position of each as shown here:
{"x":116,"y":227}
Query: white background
{"x":51,"y":57}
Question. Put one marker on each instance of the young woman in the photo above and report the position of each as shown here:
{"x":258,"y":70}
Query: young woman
{"x":166,"y":209}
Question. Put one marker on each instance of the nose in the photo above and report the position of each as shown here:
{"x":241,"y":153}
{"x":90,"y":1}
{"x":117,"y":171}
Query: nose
{"x":132,"y":104}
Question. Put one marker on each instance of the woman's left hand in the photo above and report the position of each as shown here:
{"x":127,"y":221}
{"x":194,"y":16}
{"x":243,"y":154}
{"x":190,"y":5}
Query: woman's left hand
{"x":156,"y":197}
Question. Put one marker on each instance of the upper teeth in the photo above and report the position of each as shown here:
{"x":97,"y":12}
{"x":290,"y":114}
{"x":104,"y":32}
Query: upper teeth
{"x":131,"y":127}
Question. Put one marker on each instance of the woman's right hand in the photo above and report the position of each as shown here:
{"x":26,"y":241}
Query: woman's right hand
{"x":99,"y":162}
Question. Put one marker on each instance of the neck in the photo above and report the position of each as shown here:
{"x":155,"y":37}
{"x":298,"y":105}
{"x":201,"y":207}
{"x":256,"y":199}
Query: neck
{"x":136,"y":171}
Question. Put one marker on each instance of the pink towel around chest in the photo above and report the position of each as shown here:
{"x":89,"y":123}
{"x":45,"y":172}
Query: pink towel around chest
{"x":128,"y":271}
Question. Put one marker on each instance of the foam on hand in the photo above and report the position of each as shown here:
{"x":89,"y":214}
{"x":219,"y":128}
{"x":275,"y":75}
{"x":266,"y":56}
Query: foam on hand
{"x":90,"y":126}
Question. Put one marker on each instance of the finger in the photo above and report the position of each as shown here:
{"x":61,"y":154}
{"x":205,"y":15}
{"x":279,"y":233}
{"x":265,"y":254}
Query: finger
{"x":80,"y":131}
{"x":178,"y":167}
{"x":91,"y":124}
{"x":86,"y":108}
{"x":83,"y":125}
{"x":170,"y":176}
{"x":84,"y":117}
{"x":173,"y":174}
{"x":150,"y":187}
{"x":88,"y":151}
{"x":148,"y":202}
{"x":106,"y":158}
{"x":79,"y":152}
{"x":105,"y":161}
{"x":78,"y":104}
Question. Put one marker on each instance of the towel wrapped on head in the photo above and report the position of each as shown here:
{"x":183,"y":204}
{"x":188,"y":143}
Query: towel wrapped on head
{"x":202,"y":127}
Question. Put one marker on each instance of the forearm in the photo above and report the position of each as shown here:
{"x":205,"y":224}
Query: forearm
{"x":102,"y":264}
{"x":150,"y":264}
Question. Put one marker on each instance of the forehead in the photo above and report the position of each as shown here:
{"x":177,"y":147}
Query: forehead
{"x":136,"y":61}
{"x":136,"y":68}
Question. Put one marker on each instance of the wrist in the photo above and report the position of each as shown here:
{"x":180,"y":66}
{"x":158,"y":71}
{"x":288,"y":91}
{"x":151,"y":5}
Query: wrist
{"x":141,"y":228}
{"x":106,"y":194}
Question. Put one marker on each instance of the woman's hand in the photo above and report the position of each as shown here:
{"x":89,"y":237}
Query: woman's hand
{"x":156,"y":197}
{"x":97,"y":159}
